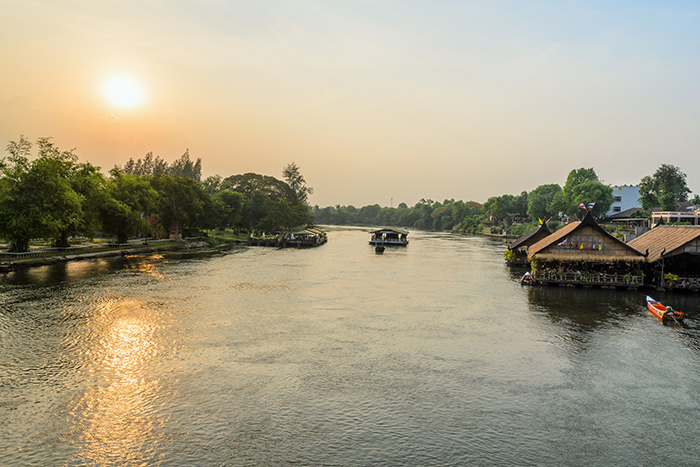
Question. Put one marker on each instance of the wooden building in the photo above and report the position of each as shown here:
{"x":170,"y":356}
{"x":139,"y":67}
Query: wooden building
{"x":518,"y":248}
{"x":673,"y":255}
{"x":583,"y":253}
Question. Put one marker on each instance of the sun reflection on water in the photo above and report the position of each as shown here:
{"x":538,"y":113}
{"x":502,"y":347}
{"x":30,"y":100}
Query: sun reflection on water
{"x":115,"y":422}
{"x":150,"y":267}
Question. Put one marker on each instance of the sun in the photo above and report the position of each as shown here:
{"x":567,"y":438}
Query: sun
{"x":123,"y":91}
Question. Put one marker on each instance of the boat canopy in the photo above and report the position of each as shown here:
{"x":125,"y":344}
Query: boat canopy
{"x":389,"y":231}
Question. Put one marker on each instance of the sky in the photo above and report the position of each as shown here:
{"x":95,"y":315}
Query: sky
{"x":376,"y":101}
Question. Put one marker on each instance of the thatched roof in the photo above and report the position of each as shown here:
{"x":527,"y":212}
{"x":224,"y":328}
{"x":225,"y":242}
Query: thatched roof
{"x":665,"y":240}
{"x":591,"y":249}
{"x":389,"y":230}
{"x":531,"y":237}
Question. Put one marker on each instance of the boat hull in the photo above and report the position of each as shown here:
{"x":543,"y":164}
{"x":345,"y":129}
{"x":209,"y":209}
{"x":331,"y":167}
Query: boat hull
{"x":663,"y":312}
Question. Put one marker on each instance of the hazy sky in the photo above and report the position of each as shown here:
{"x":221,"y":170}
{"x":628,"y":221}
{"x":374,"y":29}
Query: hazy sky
{"x":374,"y":100}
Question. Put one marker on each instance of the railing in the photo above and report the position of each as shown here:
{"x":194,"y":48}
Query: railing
{"x":583,"y":278}
{"x":683,"y":283}
{"x":41,"y":250}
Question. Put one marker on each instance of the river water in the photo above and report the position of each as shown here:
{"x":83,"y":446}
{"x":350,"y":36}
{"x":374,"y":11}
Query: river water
{"x":429,"y":355}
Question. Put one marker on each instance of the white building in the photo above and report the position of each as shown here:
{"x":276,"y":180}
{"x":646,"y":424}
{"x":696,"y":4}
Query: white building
{"x":625,"y":197}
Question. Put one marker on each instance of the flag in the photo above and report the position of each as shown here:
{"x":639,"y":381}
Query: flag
{"x":581,"y":247}
{"x":563,"y":242}
{"x":582,"y":206}
{"x":540,"y":221}
{"x":590,"y":205}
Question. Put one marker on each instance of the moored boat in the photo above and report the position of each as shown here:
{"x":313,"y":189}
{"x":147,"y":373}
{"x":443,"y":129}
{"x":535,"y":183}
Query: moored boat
{"x":664,"y":313}
{"x":527,"y":279}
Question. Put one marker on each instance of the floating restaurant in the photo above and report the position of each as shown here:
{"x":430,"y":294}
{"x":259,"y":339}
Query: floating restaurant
{"x":389,"y":237}
{"x":583,"y":253}
{"x":309,"y":237}
{"x":673,"y":255}
{"x":517,"y":249}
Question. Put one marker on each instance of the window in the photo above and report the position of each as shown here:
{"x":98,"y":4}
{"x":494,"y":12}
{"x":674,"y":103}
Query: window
{"x":617,"y":209}
{"x":618,"y":199}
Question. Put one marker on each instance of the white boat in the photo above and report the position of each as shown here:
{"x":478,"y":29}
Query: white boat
{"x":389,"y":237}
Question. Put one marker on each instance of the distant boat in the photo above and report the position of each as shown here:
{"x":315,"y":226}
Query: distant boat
{"x":527,"y":279}
{"x":664,"y":313}
{"x":389,"y":237}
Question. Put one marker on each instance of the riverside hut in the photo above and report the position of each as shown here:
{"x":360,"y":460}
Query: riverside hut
{"x":583,"y":253}
{"x":673,"y":255}
{"x":516,"y":255}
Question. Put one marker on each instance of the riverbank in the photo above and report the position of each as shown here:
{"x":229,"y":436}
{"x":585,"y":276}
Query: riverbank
{"x":213,"y":243}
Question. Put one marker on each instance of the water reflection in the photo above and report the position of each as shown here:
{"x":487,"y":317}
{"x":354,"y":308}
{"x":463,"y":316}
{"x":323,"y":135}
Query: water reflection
{"x":114,"y":422}
{"x":148,"y":265}
{"x":59,"y":273}
{"x":430,"y":355}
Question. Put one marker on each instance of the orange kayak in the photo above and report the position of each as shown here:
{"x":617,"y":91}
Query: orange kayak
{"x":664,"y":313}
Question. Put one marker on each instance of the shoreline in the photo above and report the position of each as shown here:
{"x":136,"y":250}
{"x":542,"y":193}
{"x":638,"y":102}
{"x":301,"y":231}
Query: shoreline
{"x":199,"y":246}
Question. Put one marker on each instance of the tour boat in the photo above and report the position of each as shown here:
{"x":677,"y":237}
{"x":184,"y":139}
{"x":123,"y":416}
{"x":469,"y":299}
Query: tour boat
{"x":389,"y":237}
{"x":664,"y":313}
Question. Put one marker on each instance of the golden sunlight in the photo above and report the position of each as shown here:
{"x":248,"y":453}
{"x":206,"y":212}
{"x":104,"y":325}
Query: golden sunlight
{"x":123,"y":91}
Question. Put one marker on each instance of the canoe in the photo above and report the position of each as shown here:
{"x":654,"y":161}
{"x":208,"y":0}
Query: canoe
{"x":664,"y":313}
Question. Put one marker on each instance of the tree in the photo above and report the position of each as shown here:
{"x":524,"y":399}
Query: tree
{"x":126,"y":205}
{"x":184,"y":167}
{"x":182,"y":203}
{"x":593,"y":192}
{"x":146,"y":166}
{"x":540,"y":202}
{"x":248,"y":183}
{"x":292,"y":175}
{"x":665,"y":189}
{"x":212,"y":184}
{"x":232,"y":208}
{"x":37,"y":197}
{"x":568,"y":203}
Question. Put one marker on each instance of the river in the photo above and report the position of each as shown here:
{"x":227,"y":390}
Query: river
{"x":428,"y":355}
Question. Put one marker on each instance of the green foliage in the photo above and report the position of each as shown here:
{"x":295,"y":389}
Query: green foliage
{"x":55,"y":196}
{"x":186,"y":168}
{"x":575,"y":178}
{"x":426,"y":214}
{"x":671,"y":278}
{"x":127,"y":202}
{"x":292,"y":175}
{"x":592,"y":191}
{"x":146,"y":166}
{"x":38,"y":198}
{"x":665,"y":189}
{"x":541,"y":202}
{"x":248,"y":183}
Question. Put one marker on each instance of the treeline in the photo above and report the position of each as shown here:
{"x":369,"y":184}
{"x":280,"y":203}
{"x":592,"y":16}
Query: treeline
{"x":55,"y":196}
{"x":516,"y":214}
{"x":426,"y":215}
